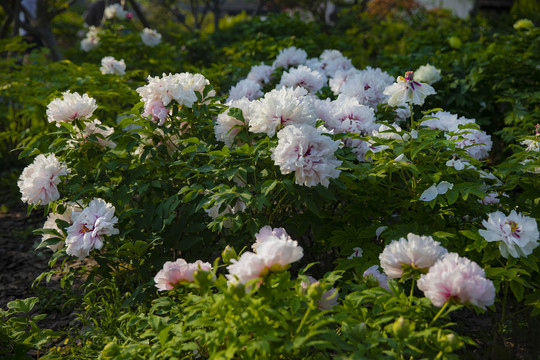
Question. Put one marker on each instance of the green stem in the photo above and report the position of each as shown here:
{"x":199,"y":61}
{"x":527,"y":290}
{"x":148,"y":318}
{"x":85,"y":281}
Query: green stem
{"x":503,"y":315}
{"x":412,"y":119}
{"x":412,"y":290}
{"x":277,"y":207}
{"x":304,"y":318}
{"x":441,"y":311}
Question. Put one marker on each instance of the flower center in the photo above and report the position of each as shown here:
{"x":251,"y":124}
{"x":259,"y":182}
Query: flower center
{"x":513,"y":226}
{"x":84,"y":229}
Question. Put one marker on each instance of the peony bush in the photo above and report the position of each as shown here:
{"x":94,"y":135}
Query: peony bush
{"x":221,"y":223}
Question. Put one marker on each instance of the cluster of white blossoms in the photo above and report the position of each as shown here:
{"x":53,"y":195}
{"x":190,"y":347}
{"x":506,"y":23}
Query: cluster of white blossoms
{"x":150,"y":37}
{"x":416,"y":252}
{"x":115,"y":11}
{"x":178,"y":272}
{"x":161,"y":91}
{"x":459,"y":279}
{"x":273,"y":250}
{"x":38,"y":181}
{"x":109,"y":65}
{"x":308,"y":153}
{"x":517,"y":234}
{"x":475,"y":141}
{"x":89,"y":226}
{"x":91,"y":39}
{"x":72,"y":106}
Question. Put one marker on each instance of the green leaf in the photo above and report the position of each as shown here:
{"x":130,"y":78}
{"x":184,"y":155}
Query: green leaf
{"x":517,"y":290}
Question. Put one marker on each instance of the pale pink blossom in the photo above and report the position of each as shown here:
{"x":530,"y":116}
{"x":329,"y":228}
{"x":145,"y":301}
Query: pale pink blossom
{"x":279,"y":253}
{"x":457,"y":278}
{"x":177,"y":272}
{"x":227,"y":127}
{"x":38,"y":181}
{"x":102,"y":132}
{"x":51,"y":224}
{"x":328,"y":299}
{"x":308,"y":153}
{"x":517,"y":234}
{"x":418,"y":252}
{"x":373,"y":271}
{"x":334,"y":61}
{"x":267,"y":233}
{"x":367,"y":86}
{"x":248,"y":267}
{"x":89,"y":228}
{"x":261,"y":74}
{"x":72,"y":106}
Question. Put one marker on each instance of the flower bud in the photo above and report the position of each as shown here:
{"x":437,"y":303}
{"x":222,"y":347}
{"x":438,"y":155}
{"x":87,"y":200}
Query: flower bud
{"x":523,"y":24}
{"x":401,"y":328}
{"x":454,"y":42}
{"x":228,"y":254}
{"x":314,"y":291}
{"x":109,"y":351}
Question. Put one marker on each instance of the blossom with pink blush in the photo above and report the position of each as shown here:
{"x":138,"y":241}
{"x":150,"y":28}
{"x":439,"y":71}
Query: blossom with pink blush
{"x":382,"y":280}
{"x":490,"y":199}
{"x":457,"y":278}
{"x":72,"y":106}
{"x":109,"y":65}
{"x":267,"y":233}
{"x":261,"y":74}
{"x":38,"y":181}
{"x":306,"y":151}
{"x":89,"y":228}
{"x":367,"y":86}
{"x":302,"y":76}
{"x":227,"y":127}
{"x":517,"y":234}
{"x":328,"y":299}
{"x":357,"y":252}
{"x":279,"y":253}
{"x":417,"y":252}
{"x":177,"y":272}
{"x":157,"y":111}
{"x":248,"y":267}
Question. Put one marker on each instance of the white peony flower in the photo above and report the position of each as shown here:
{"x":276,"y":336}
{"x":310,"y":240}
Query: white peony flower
{"x":38,"y":180}
{"x":310,"y":154}
{"x":419,"y":252}
{"x":436,"y":189}
{"x":279,"y":253}
{"x":267,"y":233}
{"x":227,"y":127}
{"x":72,"y":106}
{"x":89,"y":228}
{"x":302,"y":76}
{"x":290,"y":57}
{"x":518,"y":234}
{"x":341,"y":77}
{"x":281,"y":108}
{"x":406,"y":90}
{"x":115,"y":11}
{"x":109,"y":65}
{"x":490,"y":199}
{"x":177,"y":272}
{"x":91,"y":39}
{"x":101,"y":131}
{"x":428,"y":74}
{"x":214,"y":213}
{"x":333,"y":61}
{"x":377,"y":275}
{"x":532,"y":144}
{"x":457,"y":278}
{"x":51,"y":224}
{"x":357,"y":252}
{"x":248,"y":267}
{"x":367,"y":86}
{"x":261,"y":74}
{"x":150,"y":37}
{"x":246,"y":88}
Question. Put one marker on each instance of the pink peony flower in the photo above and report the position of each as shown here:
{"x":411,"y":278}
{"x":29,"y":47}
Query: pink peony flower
{"x":177,"y":272}
{"x":248,"y":267}
{"x":89,"y":228}
{"x":454,"y":277}
{"x":419,"y":252}
{"x":38,"y":180}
